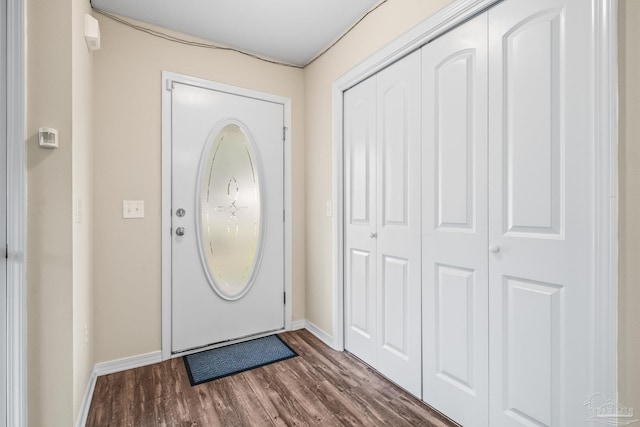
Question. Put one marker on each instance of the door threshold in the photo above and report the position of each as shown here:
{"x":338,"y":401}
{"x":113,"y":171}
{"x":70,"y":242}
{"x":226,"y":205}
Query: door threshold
{"x":225,"y":343}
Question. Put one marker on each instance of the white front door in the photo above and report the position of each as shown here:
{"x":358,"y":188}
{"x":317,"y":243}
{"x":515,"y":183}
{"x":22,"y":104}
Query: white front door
{"x":227,"y":219}
{"x":382,"y":165}
{"x":454,"y":176}
{"x":542,"y":207}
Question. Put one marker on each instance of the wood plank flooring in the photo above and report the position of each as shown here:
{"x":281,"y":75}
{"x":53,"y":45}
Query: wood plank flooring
{"x":321,"y":387}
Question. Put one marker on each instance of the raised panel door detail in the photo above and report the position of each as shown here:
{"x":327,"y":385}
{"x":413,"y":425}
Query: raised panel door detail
{"x":395,"y":304}
{"x":395,"y":156}
{"x":360,"y":160}
{"x":455,"y":295}
{"x":454,"y":145}
{"x":360,"y":280}
{"x":534,"y":323}
{"x":534,"y":134}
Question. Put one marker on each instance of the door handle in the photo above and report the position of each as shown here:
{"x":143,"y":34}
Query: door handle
{"x":373,"y":235}
{"x":180,"y":231}
{"x":494,"y":249}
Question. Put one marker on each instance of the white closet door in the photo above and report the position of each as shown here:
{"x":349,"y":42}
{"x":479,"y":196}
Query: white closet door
{"x":399,"y":223}
{"x":360,"y":220}
{"x":382,"y":224}
{"x":541,"y":231}
{"x":454,"y":177}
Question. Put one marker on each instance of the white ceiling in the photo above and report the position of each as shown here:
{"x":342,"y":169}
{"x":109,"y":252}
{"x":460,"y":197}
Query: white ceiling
{"x":291,"y":31}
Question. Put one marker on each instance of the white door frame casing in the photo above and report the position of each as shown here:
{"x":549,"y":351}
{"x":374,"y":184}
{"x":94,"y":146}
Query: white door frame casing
{"x":16,"y":218}
{"x":604,"y":88}
{"x":167,"y":78}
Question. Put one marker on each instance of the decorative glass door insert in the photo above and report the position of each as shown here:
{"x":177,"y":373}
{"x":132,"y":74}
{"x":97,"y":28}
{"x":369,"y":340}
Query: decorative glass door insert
{"x":229,"y":205}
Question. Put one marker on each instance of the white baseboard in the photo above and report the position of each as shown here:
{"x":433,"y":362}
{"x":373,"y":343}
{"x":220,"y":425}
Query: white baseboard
{"x":317,"y":332}
{"x":111,"y":367}
{"x":298,"y":324}
{"x":120,"y":365}
{"x":86,"y":400}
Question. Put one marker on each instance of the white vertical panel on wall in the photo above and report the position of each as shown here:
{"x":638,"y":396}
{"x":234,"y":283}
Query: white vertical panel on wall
{"x":3,"y":211}
{"x":454,"y":188}
{"x":541,"y":175}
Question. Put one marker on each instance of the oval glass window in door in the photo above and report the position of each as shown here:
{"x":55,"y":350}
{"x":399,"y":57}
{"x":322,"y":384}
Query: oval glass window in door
{"x":230,"y":228}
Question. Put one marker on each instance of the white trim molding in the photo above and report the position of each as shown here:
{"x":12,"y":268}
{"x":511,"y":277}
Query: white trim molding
{"x":111,"y":367}
{"x":605,"y":299}
{"x":298,"y":324}
{"x":167,"y":78}
{"x":126,"y":363}
{"x":315,"y":331}
{"x":16,"y":217}
{"x":322,"y":335}
{"x":604,"y":86}
{"x":81,"y":421}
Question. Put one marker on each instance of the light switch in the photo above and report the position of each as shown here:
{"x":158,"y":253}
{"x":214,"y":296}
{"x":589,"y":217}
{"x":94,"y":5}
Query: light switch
{"x":329,"y":211}
{"x":133,"y":209}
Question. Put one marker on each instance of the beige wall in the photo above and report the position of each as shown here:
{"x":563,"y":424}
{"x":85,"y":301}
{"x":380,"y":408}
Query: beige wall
{"x":59,"y":276}
{"x":629,"y":205}
{"x":127,"y":125}
{"x":388,"y":22}
{"x":49,"y":235}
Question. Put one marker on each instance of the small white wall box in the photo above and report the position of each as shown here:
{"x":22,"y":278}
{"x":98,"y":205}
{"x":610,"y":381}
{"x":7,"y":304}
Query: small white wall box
{"x":48,"y":137}
{"x":91,"y":32}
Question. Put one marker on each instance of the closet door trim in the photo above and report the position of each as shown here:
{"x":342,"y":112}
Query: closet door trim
{"x":604,"y":87}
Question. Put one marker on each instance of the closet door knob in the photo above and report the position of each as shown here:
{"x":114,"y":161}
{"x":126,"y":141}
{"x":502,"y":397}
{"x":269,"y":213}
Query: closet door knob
{"x":494,"y":249}
{"x":373,"y":235}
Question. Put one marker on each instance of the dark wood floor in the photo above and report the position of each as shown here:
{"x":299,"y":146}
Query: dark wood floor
{"x":321,"y":387}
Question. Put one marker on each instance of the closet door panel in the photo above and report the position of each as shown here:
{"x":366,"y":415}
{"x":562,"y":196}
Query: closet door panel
{"x":454,"y":148}
{"x":541,"y":207}
{"x":360,"y":220}
{"x":533,"y":124}
{"x":455,"y":289}
{"x":395,"y":152}
{"x":399,"y":226}
{"x":533,"y":313}
{"x":454,"y":215}
{"x":395,"y":293}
